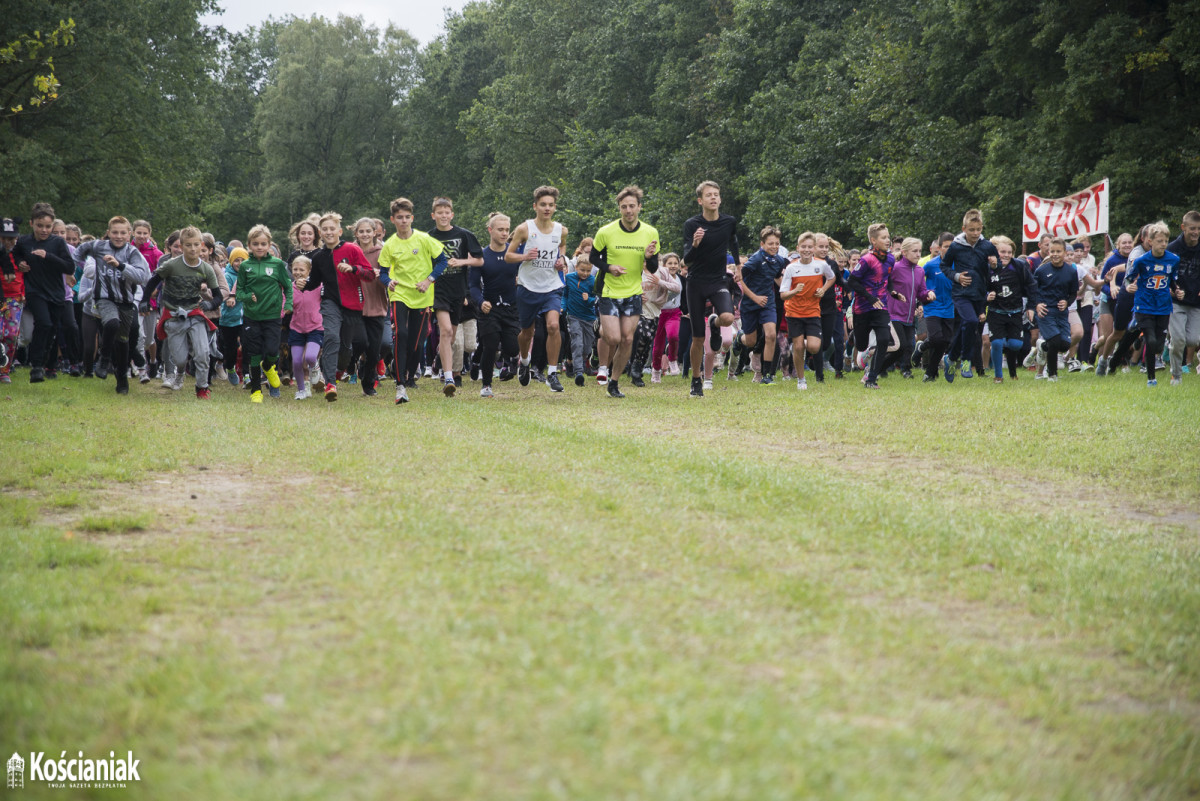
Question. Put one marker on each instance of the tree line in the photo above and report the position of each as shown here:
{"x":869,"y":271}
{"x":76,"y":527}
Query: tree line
{"x":811,"y":115}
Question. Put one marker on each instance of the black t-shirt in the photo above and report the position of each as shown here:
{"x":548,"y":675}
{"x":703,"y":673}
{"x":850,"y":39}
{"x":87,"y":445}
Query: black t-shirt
{"x":706,"y":261}
{"x":457,"y":243}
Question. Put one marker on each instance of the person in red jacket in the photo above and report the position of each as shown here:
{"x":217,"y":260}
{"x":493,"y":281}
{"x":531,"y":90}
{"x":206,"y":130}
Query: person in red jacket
{"x":340,"y":268}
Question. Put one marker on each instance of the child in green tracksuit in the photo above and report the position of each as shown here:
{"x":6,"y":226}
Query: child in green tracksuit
{"x":265,"y":292}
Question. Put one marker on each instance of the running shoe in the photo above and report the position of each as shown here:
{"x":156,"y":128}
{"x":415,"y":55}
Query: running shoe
{"x":714,"y":333}
{"x":449,"y":388}
{"x":602,"y":377}
{"x":103,"y":368}
{"x":697,"y":388}
{"x":202,"y":393}
{"x":708,"y":383}
{"x":637,"y":381}
{"x":1153,"y":382}
{"x":1074,"y":366}
{"x":523,"y":373}
{"x":143,"y":376}
{"x":428,"y":372}
{"x":998,"y":380}
{"x":655,"y":377}
{"x":302,"y":394}
{"x":768,"y":379}
{"x":331,"y":391}
{"x":274,"y":391}
{"x":928,"y":379}
{"x":232,"y":378}
{"x":553,"y":383}
{"x":1041,"y":352}
{"x":486,"y":392}
{"x":177,"y":382}
{"x":871,"y":385}
{"x":37,"y":375}
{"x":5,"y":379}
{"x":1101,"y":366}
{"x":256,"y":396}
{"x":401,"y":394}
{"x":613,"y":392}
{"x":965,"y":370}
{"x":1175,"y":381}
{"x":272,"y":376}
{"x":580,"y":379}
{"x":801,"y":383}
{"x":948,"y":369}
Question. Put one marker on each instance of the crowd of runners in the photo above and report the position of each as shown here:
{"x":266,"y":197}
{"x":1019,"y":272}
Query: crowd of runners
{"x":352,"y":306}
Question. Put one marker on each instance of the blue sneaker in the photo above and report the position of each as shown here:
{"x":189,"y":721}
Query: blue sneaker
{"x":273,"y":390}
{"x":965,"y":372}
{"x":1153,"y":382}
{"x":1187,"y":369}
{"x":234,"y":381}
{"x":948,"y":369}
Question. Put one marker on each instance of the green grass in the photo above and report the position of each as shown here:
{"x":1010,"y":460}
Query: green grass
{"x":923,"y":592}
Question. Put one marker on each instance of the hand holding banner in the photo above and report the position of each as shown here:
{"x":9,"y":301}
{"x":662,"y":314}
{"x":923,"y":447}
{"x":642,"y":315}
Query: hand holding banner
{"x":1082,"y":214}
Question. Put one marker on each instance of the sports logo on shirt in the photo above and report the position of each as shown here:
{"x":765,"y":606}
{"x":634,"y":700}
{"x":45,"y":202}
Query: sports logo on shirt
{"x":270,"y":271}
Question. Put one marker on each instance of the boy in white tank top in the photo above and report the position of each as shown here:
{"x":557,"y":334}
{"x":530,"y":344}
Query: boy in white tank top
{"x":539,"y":281}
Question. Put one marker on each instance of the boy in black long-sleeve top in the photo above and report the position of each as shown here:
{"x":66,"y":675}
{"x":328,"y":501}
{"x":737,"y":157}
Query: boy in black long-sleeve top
{"x":44,"y":259}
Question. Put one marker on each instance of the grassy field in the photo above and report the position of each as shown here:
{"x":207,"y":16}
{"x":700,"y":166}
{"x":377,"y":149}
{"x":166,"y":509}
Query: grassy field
{"x":925,"y":592}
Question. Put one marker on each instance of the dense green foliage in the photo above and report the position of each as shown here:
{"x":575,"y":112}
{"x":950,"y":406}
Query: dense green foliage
{"x":811,"y":115}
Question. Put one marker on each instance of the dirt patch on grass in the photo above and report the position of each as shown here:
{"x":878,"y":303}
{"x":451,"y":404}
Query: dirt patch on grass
{"x":225,"y":503}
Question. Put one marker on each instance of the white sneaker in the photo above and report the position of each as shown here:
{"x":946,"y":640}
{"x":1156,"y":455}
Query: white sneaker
{"x":1074,"y":366}
{"x":1041,"y":374}
{"x":167,"y":380}
{"x":1041,"y":352}
{"x":401,"y":394}
{"x":301,"y":394}
{"x":177,"y":382}
{"x":801,"y":383}
{"x":429,"y":372}
{"x":1084,"y":367}
{"x":143,"y":376}
{"x":220,"y":374}
{"x":1052,"y":379}
{"x":1028,"y":361}
{"x":656,"y":376}
{"x":314,"y":377}
{"x":1175,"y":381}
{"x":486,"y":392}
{"x":602,"y":377}
{"x":675,"y":369}
{"x":707,"y":384}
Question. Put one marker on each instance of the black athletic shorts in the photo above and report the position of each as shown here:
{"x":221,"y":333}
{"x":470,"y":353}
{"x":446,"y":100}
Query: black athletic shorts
{"x":804,"y":327}
{"x":451,"y":304}
{"x":700,"y":294}
{"x":1004,"y":326}
{"x":496,"y":322}
{"x":1122,"y":312}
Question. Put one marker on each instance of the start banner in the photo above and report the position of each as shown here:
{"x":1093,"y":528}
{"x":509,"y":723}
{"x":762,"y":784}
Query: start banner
{"x":1082,"y":214}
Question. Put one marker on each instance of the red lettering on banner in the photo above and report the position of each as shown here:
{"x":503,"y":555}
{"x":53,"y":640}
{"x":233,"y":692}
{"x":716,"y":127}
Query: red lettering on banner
{"x":1031,"y":206}
{"x":1083,"y":198}
{"x":1060,"y":221}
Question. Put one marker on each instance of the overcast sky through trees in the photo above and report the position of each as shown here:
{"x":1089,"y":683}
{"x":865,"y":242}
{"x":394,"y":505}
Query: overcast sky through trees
{"x":424,"y":20}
